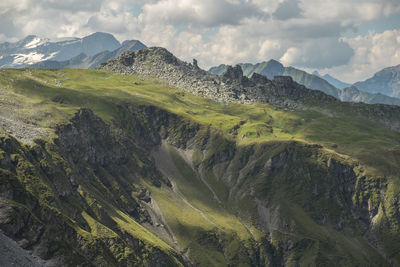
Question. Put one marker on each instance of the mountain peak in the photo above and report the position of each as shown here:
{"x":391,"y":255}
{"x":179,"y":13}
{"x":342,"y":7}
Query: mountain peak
{"x":274,"y":62}
{"x":99,"y":41}
{"x":100,"y":35}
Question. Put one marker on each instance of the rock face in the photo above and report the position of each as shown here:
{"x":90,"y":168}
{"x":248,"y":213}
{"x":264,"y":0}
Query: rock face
{"x":54,"y":196}
{"x":232,"y":86}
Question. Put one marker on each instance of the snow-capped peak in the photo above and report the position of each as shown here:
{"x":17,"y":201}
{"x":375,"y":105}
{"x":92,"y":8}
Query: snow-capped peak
{"x":36,"y":41}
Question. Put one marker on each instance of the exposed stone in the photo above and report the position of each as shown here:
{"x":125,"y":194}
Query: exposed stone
{"x":232,"y":86}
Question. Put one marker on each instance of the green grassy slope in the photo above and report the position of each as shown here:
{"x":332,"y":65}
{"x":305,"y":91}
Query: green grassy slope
{"x":213,"y":230}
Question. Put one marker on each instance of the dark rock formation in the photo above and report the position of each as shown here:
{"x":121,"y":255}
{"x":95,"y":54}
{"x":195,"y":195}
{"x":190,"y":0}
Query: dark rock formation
{"x":232,"y":86}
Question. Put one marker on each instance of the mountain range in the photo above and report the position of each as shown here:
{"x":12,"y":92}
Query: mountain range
{"x":315,"y":81}
{"x":82,"y":61}
{"x":65,"y":52}
{"x":152,"y":161}
{"x":91,"y":51}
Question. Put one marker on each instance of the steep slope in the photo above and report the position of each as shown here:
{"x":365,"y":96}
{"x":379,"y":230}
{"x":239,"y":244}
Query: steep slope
{"x":386,"y":81}
{"x":34,"y":49}
{"x":335,"y":82}
{"x":83,"y":61}
{"x":128,"y":170}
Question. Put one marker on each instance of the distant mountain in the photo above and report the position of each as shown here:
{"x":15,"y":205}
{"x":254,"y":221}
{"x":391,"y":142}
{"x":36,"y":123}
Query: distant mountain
{"x":353,"y":94}
{"x":314,"y":81}
{"x":274,"y":68}
{"x":386,"y":81}
{"x":335,"y":82}
{"x":33,"y":49}
{"x":82,"y":61}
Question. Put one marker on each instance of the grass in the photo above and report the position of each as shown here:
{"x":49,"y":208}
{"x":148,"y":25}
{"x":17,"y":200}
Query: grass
{"x":47,"y":98}
{"x":373,"y":145}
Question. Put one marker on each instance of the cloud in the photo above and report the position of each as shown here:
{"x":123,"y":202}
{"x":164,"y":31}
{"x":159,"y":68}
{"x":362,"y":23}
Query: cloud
{"x":324,"y":53}
{"x":287,"y":10}
{"x":205,"y":13}
{"x":372,"y":53}
{"x":303,"y":33}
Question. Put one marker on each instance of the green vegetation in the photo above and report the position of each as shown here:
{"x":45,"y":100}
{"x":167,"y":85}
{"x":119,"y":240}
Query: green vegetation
{"x":211,"y":207}
{"x":102,"y":91}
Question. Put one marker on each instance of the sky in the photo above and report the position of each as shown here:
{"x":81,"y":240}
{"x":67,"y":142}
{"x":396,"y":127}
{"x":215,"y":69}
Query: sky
{"x":349,"y":39}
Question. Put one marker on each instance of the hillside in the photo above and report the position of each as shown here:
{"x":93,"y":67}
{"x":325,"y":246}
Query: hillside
{"x":386,"y":81}
{"x":101,"y":168}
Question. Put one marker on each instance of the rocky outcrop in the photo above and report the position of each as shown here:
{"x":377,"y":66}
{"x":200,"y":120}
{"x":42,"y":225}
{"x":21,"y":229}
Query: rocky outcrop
{"x":232,"y":86}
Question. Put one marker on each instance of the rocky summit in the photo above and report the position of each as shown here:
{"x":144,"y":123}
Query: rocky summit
{"x":231,"y":86}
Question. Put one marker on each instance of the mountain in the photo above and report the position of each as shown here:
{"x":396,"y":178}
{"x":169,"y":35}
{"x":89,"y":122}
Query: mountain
{"x":82,"y":61}
{"x":273,"y":68}
{"x":152,"y":161}
{"x":353,"y":94}
{"x":386,"y":81}
{"x":313,"y":81}
{"x":34,"y":49}
{"x":335,"y":82}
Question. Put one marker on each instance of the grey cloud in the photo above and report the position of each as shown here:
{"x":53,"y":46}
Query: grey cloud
{"x":316,"y":29}
{"x":73,"y":5}
{"x":7,"y":26}
{"x":206,"y":13}
{"x":324,"y":53}
{"x":98,"y":23}
{"x":287,"y":10}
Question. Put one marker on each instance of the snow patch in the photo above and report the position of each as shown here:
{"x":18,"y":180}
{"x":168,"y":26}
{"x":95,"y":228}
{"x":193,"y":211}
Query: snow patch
{"x":31,"y":58}
{"x":51,"y":55}
{"x":35,"y":43}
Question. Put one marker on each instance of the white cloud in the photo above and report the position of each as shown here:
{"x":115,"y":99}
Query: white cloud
{"x":372,"y":53}
{"x":208,"y":13}
{"x":303,"y":33}
{"x":291,"y":56}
